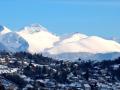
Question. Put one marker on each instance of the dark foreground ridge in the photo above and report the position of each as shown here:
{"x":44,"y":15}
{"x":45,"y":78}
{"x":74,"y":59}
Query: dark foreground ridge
{"x":24,"y":71}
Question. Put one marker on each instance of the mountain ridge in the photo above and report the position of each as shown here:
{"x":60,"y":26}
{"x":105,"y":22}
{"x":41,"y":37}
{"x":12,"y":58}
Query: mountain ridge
{"x":35,"y":38}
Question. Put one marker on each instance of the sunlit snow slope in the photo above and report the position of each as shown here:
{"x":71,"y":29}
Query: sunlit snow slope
{"x":38,"y":38}
{"x":89,"y":44}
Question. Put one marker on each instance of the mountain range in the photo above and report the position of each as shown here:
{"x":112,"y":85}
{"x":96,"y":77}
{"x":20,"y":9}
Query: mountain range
{"x":37,"y":39}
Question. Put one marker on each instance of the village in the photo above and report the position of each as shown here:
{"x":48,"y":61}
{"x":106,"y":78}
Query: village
{"x":23,"y":71}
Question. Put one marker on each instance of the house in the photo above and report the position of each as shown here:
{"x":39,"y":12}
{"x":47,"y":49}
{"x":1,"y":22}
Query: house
{"x":87,"y":87}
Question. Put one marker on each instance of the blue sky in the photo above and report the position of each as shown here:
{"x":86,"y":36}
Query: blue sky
{"x":91,"y":17}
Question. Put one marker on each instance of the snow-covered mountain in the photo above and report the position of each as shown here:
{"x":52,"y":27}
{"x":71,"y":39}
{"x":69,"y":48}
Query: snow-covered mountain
{"x":13,"y":42}
{"x":89,"y":44}
{"x":4,"y":30}
{"x":85,"y":47}
{"x":37,"y":39}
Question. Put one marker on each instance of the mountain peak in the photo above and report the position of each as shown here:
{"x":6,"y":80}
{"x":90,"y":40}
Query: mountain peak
{"x":35,"y":25}
{"x":73,"y":37}
{"x":76,"y":34}
{"x":4,"y":30}
{"x":80,"y":35}
{"x":33,"y":28}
